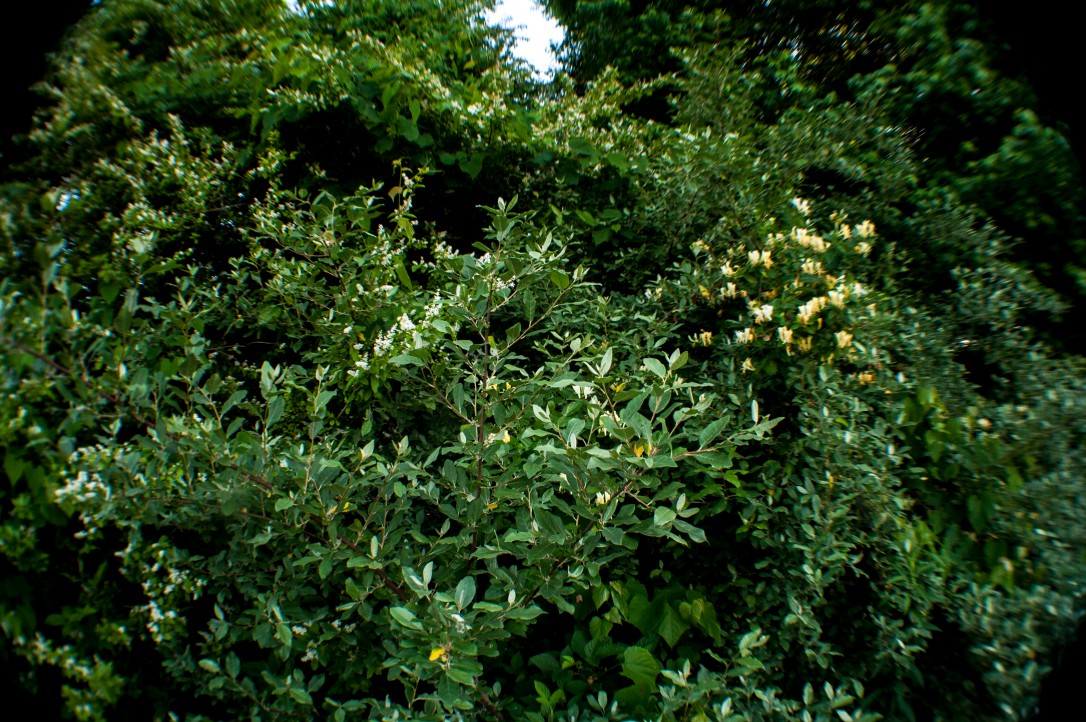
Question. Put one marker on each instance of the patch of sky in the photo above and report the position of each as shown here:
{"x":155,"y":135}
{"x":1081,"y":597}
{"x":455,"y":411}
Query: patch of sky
{"x":536,"y":33}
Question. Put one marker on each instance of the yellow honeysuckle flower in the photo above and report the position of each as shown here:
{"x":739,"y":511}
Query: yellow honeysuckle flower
{"x":762,"y":313}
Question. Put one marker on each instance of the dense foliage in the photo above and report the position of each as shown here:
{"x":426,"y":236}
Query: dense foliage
{"x":349,"y":373}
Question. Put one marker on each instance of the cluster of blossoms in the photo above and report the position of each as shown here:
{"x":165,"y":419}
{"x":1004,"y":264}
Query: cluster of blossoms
{"x":102,"y":687}
{"x":404,"y":335}
{"x":497,"y":283}
{"x":162,"y":582}
{"x":85,"y":488}
{"x":87,"y":492}
{"x":791,"y":267}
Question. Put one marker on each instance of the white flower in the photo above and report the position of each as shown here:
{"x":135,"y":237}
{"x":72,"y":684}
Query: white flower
{"x":763,"y":313}
{"x":844,"y":339}
{"x":760,"y":258}
{"x":807,"y":240}
{"x":802,"y":206}
{"x":785,"y":335}
{"x":808,"y":310}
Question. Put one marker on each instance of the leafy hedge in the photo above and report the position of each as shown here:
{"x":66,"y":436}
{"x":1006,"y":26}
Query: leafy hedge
{"x":347,"y":374}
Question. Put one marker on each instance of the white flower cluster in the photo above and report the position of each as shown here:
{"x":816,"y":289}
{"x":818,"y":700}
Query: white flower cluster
{"x":83,"y":489}
{"x":162,"y":582}
{"x":157,"y":618}
{"x":404,"y":335}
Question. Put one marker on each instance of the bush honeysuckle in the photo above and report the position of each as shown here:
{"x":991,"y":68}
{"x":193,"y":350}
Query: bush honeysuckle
{"x":349,"y":372}
{"x":791,"y":280}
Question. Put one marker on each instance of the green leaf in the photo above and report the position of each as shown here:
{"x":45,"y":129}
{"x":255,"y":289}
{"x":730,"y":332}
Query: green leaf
{"x":235,"y":398}
{"x":605,"y":362}
{"x":639,"y":666}
{"x":275,"y":411}
{"x":460,"y":675}
{"x":656,"y":367}
{"x":473,"y":165}
{"x":524,"y":613}
{"x":404,"y":616}
{"x":671,"y":626}
{"x":300,"y":696}
{"x":663,"y":516}
{"x":13,"y":465}
{"x":465,"y":592}
{"x":710,"y":432}
{"x":401,"y":273}
{"x":559,"y":279}
{"x":283,"y":503}
{"x":406,"y":359}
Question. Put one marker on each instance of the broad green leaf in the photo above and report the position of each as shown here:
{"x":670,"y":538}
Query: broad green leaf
{"x":656,"y":367}
{"x":465,"y":592}
{"x":639,"y":666}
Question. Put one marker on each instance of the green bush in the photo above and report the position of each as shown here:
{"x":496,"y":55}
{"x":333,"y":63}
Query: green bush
{"x":349,"y":375}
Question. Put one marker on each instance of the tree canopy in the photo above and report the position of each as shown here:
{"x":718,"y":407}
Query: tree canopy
{"x":349,"y":372}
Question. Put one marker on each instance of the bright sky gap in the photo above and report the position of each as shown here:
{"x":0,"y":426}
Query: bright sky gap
{"x":536,"y":33}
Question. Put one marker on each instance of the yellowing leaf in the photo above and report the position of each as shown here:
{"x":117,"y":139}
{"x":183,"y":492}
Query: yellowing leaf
{"x":638,"y":449}
{"x":437,"y":653}
{"x":492,"y":506}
